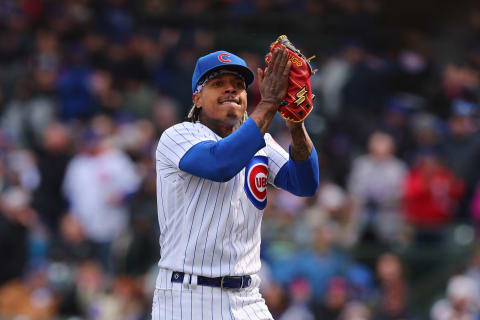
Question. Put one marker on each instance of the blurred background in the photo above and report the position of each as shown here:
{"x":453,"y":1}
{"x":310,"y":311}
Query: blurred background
{"x":88,"y":86}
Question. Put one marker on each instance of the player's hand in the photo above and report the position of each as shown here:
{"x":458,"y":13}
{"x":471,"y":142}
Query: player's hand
{"x":273,"y":81}
{"x":273,"y":85}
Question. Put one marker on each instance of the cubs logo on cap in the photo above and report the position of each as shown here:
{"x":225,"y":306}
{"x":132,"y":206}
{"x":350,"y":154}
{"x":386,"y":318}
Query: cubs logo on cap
{"x":223,"y":57}
{"x":256,"y":177}
{"x":220,"y":60}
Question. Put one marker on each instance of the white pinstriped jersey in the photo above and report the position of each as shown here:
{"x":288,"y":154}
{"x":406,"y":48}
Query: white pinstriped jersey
{"x":210,"y":228}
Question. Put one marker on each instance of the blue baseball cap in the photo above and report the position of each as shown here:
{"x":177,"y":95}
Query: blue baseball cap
{"x":221,"y":60}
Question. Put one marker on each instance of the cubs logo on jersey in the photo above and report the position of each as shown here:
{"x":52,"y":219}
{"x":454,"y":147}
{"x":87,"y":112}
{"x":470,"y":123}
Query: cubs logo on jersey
{"x":256,"y":175}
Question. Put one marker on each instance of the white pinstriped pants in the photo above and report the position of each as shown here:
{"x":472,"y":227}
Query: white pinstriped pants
{"x":177,"y":301}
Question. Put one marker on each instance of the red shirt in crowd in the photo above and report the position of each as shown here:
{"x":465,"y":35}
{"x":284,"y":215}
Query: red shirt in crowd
{"x":431,"y":194}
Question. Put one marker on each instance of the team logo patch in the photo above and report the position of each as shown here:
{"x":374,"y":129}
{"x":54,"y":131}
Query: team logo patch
{"x":256,"y":174}
{"x":223,"y":57}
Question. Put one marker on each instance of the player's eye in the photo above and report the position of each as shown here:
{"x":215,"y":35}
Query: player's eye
{"x":217,"y":83}
{"x":240,"y":85}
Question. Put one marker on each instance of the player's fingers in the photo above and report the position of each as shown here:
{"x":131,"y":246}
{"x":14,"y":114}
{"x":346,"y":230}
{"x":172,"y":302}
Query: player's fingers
{"x":260,"y":75}
{"x":283,"y":62}
{"x":278,"y":60}
{"x":272,"y":62}
{"x":286,"y":71}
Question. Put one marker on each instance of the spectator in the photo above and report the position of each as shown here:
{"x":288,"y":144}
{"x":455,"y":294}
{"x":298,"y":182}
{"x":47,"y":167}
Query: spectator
{"x":142,"y":252}
{"x":461,"y":302}
{"x":332,"y":207}
{"x":431,"y":193}
{"x":336,"y":298}
{"x":330,"y":81}
{"x":18,"y":177}
{"x":318,"y":262}
{"x":106,"y":95}
{"x":413,"y":69}
{"x":393,"y":290}
{"x":461,"y":151}
{"x":427,"y":132}
{"x":138,"y":98}
{"x":395,"y":119}
{"x":363,"y":93}
{"x":92,"y":283}
{"x":165,"y":113}
{"x":374,"y":183}
{"x":300,"y":291}
{"x":459,"y":82}
{"x":53,"y":157}
{"x":28,"y":114}
{"x":276,"y":299}
{"x":74,"y":88}
{"x":97,"y":184}
{"x":14,"y":225}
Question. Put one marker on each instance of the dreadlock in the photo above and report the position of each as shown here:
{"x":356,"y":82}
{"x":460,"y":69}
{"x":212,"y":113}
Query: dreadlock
{"x":194,"y":114}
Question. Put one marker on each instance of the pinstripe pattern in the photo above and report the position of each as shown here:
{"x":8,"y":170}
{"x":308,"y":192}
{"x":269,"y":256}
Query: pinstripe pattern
{"x":207,"y":228}
{"x":211,"y":218}
{"x":224,"y":240}
{"x":276,"y":157}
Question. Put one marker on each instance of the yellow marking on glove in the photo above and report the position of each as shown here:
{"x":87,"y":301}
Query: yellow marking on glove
{"x":300,"y":96}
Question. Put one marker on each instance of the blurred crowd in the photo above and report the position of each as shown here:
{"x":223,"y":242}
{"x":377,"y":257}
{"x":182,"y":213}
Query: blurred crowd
{"x":88,"y":86}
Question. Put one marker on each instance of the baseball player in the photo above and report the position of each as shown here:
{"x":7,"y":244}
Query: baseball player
{"x":212,"y":175}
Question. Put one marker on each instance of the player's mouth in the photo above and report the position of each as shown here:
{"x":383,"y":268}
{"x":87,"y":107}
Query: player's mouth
{"x":230,"y":101}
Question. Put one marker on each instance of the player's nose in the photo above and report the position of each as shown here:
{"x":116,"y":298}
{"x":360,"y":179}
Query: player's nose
{"x":229,"y":87}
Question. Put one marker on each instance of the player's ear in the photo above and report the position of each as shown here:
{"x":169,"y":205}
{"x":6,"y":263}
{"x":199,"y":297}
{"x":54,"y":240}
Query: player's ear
{"x":196,"y":99}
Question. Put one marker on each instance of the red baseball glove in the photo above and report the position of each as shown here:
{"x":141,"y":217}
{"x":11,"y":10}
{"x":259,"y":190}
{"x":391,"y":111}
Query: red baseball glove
{"x":298,"y":103}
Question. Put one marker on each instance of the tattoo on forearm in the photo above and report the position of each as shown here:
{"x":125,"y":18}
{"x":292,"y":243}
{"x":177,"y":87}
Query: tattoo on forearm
{"x":301,"y":144}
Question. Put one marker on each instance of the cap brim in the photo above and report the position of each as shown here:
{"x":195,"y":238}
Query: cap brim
{"x":244,"y":71}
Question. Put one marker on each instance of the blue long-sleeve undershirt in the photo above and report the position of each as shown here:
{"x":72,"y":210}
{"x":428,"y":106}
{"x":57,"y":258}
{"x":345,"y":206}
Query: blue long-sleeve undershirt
{"x":220,"y":161}
{"x":299,"y":177}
